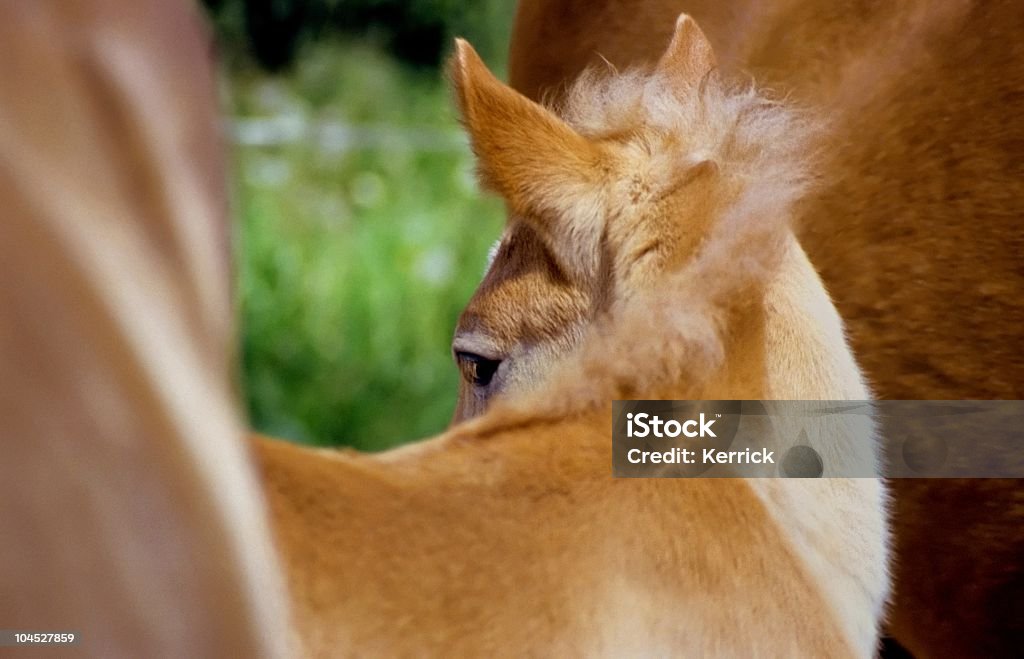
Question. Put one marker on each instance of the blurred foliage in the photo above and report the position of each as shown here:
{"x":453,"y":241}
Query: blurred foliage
{"x":361,"y":237}
{"x":416,"y":32}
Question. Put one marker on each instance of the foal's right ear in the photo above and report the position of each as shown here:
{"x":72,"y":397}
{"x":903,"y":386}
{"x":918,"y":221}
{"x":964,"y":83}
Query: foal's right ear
{"x":689,"y":56}
{"x":545,"y":170}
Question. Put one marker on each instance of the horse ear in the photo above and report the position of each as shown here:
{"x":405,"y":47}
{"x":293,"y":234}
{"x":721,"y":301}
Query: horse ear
{"x":689,"y":57}
{"x":549,"y":174}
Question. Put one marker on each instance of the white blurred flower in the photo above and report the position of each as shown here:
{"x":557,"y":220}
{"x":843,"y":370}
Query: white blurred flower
{"x":267,"y":171}
{"x":436,"y":266}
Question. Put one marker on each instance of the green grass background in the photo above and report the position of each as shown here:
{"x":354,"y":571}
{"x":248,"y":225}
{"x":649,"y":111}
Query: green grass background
{"x":355,"y":256}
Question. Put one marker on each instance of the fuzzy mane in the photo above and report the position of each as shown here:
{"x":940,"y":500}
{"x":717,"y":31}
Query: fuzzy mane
{"x":668,"y":342}
{"x":744,"y":131}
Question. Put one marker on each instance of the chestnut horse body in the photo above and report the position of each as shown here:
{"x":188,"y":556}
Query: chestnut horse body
{"x":916,"y":229}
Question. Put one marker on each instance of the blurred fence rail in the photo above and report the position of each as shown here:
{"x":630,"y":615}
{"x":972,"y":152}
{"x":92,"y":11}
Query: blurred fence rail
{"x":337,"y":136}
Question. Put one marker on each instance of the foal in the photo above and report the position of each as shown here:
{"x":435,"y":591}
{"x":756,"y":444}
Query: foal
{"x":622,"y":192}
{"x":652,"y":230}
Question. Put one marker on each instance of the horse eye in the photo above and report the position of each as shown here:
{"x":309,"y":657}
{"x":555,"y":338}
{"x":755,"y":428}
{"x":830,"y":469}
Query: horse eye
{"x":476,"y":369}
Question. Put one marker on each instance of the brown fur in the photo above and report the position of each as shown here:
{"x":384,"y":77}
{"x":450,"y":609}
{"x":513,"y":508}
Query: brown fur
{"x":916,"y":230}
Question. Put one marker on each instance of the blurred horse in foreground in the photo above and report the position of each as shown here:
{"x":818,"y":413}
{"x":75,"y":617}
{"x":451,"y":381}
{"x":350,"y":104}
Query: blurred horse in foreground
{"x":131,"y":513}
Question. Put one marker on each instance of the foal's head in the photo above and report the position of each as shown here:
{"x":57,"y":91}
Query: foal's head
{"x":604,"y":197}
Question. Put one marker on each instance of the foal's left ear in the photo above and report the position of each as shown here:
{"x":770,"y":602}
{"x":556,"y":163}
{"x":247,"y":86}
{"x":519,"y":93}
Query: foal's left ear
{"x":525,"y":152}
{"x":545,"y":170}
{"x":689,"y":56}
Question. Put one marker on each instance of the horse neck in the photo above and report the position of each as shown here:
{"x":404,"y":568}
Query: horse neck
{"x":806,"y":353}
{"x":789,"y":345}
{"x":792,"y":348}
{"x":796,"y":350}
